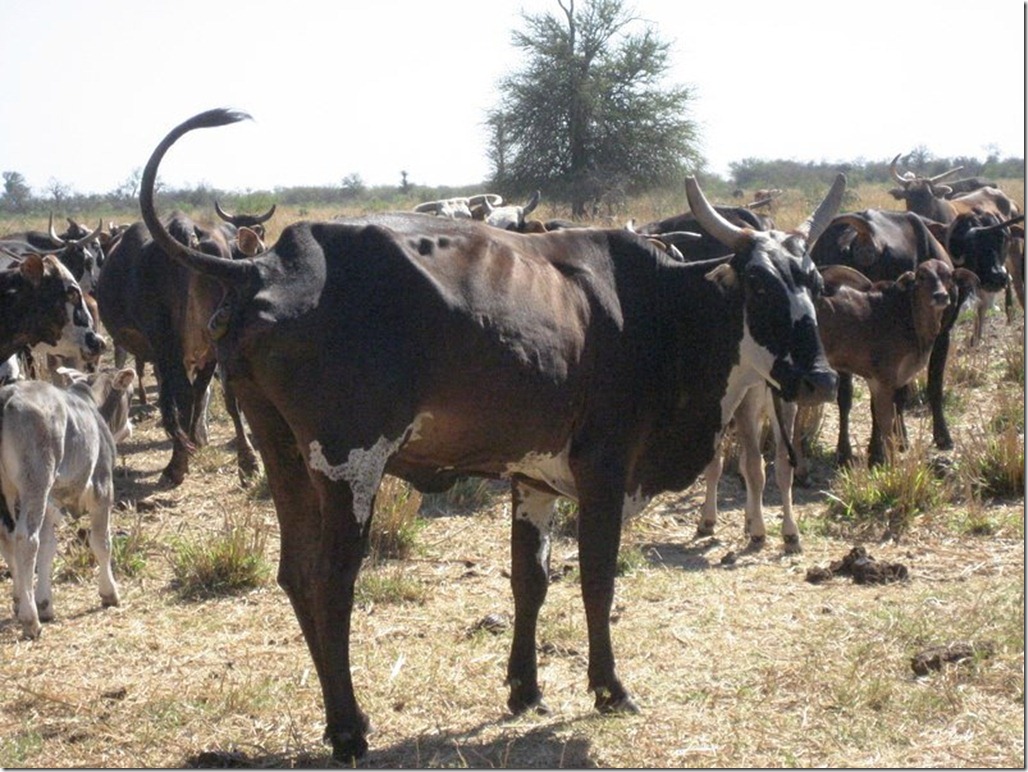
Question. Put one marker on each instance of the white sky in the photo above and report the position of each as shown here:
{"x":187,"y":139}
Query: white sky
{"x":373,"y":88}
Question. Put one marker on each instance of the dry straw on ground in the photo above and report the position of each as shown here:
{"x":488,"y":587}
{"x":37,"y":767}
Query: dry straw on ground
{"x":738,"y":663}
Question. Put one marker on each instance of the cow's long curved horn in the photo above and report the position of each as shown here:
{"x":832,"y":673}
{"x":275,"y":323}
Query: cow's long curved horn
{"x":731,"y":236}
{"x":428,"y":206}
{"x":938,"y":177}
{"x":1001,"y":225}
{"x":221,"y":212}
{"x":895,"y":174}
{"x":266,"y":216}
{"x":232,"y":273}
{"x":533,"y":202}
{"x":53,"y":233}
{"x":815,"y":225}
{"x":85,"y":239}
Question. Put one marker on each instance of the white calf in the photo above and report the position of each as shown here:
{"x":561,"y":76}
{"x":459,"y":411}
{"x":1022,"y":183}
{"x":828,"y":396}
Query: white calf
{"x":57,"y":451}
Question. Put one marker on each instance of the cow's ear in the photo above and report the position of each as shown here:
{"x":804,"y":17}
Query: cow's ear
{"x":249,"y":242}
{"x":724,"y":276}
{"x":124,"y":378}
{"x":905,"y":279}
{"x":898,"y":193}
{"x":32,"y":269}
{"x":1017,"y":230}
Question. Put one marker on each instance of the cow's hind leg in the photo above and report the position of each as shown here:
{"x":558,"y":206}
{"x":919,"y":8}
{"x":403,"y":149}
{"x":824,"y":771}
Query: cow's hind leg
{"x":246,"y":457}
{"x":45,"y":563}
{"x":532,"y":517}
{"x":31,"y":511}
{"x":100,"y":543}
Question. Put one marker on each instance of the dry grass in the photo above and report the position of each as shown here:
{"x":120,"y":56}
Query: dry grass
{"x":740,"y":664}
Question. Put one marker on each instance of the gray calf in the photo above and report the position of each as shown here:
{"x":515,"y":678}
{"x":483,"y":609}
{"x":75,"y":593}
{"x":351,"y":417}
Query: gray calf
{"x":57,"y":449}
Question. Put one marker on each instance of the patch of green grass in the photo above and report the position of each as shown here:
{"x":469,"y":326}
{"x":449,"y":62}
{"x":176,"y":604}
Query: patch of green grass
{"x":395,"y":524}
{"x":890,"y":495}
{"x":230,"y":561}
{"x":388,"y":585}
{"x":18,"y":748}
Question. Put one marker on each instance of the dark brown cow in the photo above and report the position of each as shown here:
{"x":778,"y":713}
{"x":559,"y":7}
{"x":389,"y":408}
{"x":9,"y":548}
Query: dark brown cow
{"x":159,"y":311}
{"x":883,"y":245}
{"x":582,"y":363}
{"x":885,"y":333}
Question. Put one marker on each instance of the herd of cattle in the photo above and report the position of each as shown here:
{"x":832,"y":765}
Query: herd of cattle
{"x":468,"y":339}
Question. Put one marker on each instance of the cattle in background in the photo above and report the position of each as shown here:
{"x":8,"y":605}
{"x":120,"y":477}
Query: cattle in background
{"x":1015,"y":265}
{"x":509,"y":217}
{"x":966,"y":185}
{"x":928,"y":197}
{"x":460,"y":207}
{"x":77,"y":248}
{"x":981,"y":243}
{"x":57,"y":450}
{"x":581,"y":363}
{"x":233,"y":222}
{"x":758,"y":402}
{"x":674,"y":230}
{"x":883,"y":332}
{"x":44,"y":304}
{"x":883,"y":245}
{"x":160,"y":311}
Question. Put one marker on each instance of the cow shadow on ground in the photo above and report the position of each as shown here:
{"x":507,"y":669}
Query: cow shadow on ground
{"x":542,"y":747}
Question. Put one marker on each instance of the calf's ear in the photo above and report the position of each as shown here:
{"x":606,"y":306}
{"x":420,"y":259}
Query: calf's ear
{"x":724,"y":276}
{"x":124,"y":378}
{"x":905,"y":279}
{"x":32,"y":269}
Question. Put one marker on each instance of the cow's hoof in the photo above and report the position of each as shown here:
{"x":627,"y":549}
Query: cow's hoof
{"x":46,"y":610}
{"x":110,"y":600}
{"x":523,"y":699}
{"x":607,"y":703}
{"x":792,"y":544}
{"x":172,"y":478}
{"x":756,"y":543}
{"x":704,"y":529}
{"x":31,"y":630}
{"x":348,"y":746}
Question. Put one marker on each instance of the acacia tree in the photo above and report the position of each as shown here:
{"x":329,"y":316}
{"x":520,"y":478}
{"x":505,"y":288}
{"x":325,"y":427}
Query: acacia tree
{"x":587,"y":116}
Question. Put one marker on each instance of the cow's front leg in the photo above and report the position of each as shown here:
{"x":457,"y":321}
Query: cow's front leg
{"x":751,"y":461}
{"x":322,"y":545}
{"x":532,"y":517}
{"x":602,"y":503}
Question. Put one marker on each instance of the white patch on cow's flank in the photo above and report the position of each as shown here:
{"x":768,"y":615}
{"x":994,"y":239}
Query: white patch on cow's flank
{"x":363,"y":470}
{"x":550,"y":469}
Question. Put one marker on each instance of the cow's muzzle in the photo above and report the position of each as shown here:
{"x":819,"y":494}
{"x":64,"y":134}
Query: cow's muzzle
{"x":805,"y":387}
{"x":93,"y":346}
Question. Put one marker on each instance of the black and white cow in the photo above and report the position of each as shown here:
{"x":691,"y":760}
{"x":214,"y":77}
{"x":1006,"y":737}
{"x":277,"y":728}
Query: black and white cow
{"x":57,"y":449}
{"x":583,"y":363}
